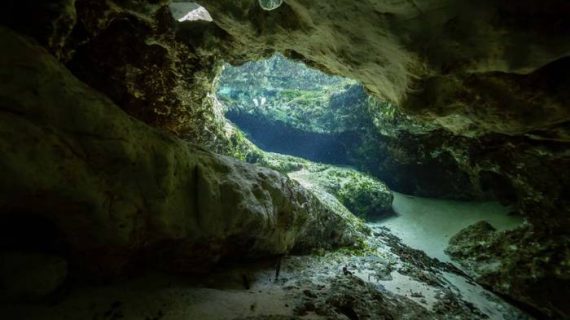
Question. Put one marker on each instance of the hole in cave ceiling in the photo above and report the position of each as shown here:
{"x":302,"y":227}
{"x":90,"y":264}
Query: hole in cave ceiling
{"x":189,"y":11}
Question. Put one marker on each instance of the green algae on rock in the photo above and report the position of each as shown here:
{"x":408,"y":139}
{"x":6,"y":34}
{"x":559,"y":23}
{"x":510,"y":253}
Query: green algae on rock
{"x":520,"y":263}
{"x":363,"y":195}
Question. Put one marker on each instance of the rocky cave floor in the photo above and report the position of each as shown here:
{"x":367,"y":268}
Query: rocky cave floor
{"x":387,"y":280}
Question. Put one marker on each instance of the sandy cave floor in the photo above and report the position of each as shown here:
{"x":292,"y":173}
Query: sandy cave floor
{"x":389,"y":281}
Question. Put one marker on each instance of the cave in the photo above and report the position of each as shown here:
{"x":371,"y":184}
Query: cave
{"x":284,"y":159}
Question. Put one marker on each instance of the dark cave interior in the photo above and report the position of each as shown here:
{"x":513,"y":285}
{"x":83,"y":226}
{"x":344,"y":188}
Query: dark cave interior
{"x":284,"y":159}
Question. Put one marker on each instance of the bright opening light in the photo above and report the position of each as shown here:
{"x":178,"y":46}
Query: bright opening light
{"x":189,"y":11}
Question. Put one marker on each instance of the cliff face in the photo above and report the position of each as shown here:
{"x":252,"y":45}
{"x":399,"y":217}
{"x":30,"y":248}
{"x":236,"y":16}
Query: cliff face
{"x":493,"y":75}
{"x":475,"y":69}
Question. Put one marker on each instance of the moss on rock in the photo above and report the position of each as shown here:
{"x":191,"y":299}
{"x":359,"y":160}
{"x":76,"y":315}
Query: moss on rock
{"x":363,"y":195}
{"x":526,"y":266}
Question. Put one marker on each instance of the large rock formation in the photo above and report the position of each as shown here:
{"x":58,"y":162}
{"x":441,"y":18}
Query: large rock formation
{"x":494,"y":73}
{"x":288,"y":108}
{"x":459,"y":65}
{"x":485,"y":71}
{"x":462,"y":64}
{"x":342,"y":189}
{"x":519,"y":263}
{"x":119,"y":191}
{"x":130,"y":51}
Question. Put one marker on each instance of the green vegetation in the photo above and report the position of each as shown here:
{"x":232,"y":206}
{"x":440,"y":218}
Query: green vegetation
{"x":241,"y":148}
{"x":363,"y":195}
{"x":280,"y":90}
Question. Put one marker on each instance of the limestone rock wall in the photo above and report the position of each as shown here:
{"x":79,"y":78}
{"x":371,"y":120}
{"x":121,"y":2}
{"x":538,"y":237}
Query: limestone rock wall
{"x":131,"y":51}
{"x":522,"y":264}
{"x":475,"y":67}
{"x":120,"y":191}
{"x":493,"y":72}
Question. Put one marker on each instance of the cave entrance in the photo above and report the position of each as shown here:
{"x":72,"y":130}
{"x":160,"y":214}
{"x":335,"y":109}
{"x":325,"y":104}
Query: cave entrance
{"x":328,"y":134}
{"x":285,"y":107}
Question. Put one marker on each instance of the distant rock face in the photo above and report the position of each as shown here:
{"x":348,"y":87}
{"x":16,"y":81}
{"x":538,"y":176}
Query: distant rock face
{"x":120,"y":191}
{"x":522,"y":264}
{"x":282,"y":90}
{"x":288,"y":108}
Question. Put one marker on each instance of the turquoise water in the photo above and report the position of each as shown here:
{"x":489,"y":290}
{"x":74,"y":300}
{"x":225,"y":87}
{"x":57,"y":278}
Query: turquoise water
{"x":428,"y":224}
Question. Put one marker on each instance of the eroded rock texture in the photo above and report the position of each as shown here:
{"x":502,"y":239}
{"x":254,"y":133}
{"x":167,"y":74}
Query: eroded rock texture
{"x":494,"y":73}
{"x":463,"y":64}
{"x":485,"y":71}
{"x":131,"y":51}
{"x":521,"y":263}
{"x":119,"y":191}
